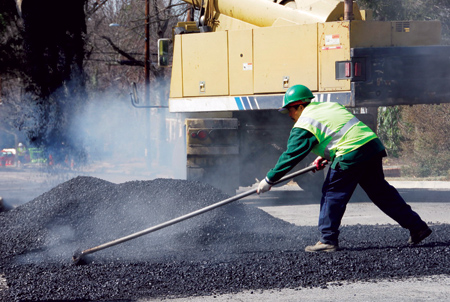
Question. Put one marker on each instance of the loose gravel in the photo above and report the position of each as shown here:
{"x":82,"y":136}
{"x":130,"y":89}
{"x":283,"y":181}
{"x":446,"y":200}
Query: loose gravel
{"x":230,"y":249}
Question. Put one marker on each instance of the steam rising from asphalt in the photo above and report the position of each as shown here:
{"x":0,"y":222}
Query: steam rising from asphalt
{"x":141,"y":141}
{"x":123,"y":143}
{"x":85,"y":212}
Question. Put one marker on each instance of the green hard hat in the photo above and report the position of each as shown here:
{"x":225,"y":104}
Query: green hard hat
{"x":296,"y":93}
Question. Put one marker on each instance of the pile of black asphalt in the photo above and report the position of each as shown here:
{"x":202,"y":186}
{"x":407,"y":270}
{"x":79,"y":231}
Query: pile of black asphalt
{"x":230,"y":249}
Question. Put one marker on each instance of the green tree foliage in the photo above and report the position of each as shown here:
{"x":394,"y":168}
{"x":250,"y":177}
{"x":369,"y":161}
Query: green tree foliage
{"x":426,"y":129}
{"x":388,"y":130}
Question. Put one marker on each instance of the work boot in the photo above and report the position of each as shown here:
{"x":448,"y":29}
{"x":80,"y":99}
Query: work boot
{"x":417,"y":237}
{"x":321,"y":247}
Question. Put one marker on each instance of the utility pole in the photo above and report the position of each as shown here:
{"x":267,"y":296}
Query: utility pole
{"x":1,"y":91}
{"x":148,"y":152}
{"x":147,"y":52}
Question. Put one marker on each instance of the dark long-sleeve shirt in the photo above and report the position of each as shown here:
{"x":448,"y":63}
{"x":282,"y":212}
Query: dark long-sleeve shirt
{"x":301,"y":142}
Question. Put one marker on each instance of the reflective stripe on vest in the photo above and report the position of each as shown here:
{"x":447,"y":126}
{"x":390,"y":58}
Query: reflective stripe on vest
{"x":336,"y":129}
{"x":335,"y":136}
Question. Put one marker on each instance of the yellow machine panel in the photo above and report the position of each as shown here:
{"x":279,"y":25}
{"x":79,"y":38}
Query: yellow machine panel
{"x":334,"y":45}
{"x":176,"y":82}
{"x":284,"y":56}
{"x":370,"y":34}
{"x":366,"y":15}
{"x":416,"y":33}
{"x":396,"y":33}
{"x":240,"y":56}
{"x":205,"y":64}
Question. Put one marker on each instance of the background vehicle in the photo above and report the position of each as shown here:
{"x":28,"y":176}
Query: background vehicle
{"x":37,"y":156}
{"x":32,"y":157}
{"x":8,"y":157}
{"x":231,"y":69}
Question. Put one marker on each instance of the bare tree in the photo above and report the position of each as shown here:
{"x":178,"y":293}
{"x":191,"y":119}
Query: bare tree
{"x":116,"y":41}
{"x":67,"y":56}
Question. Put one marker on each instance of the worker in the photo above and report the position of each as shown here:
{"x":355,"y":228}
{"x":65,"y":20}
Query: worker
{"x":21,"y":153}
{"x":355,"y":154}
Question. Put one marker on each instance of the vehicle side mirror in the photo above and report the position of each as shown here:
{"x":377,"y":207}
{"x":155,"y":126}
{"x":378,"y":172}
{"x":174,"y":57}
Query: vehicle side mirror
{"x":163,"y":52}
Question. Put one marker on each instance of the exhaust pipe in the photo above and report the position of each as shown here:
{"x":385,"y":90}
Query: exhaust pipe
{"x":190,"y":14}
{"x":348,"y":10}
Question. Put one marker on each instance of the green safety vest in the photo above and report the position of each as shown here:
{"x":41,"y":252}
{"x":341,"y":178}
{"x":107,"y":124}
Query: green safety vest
{"x":336,"y":129}
{"x":21,"y":151}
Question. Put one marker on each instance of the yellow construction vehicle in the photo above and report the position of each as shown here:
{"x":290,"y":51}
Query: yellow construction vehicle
{"x":230,"y":70}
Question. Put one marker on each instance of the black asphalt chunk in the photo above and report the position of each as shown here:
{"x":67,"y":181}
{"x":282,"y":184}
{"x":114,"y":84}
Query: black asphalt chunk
{"x":229,"y":249}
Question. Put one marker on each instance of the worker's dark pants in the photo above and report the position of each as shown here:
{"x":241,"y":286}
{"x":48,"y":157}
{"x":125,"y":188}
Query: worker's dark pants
{"x":339,"y":187}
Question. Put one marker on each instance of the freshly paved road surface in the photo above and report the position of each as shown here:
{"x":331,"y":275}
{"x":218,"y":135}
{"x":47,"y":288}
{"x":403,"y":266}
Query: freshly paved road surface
{"x":429,"y":199}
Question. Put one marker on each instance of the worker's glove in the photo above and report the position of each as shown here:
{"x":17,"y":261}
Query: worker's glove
{"x":264,"y":186}
{"x":320,"y":163}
